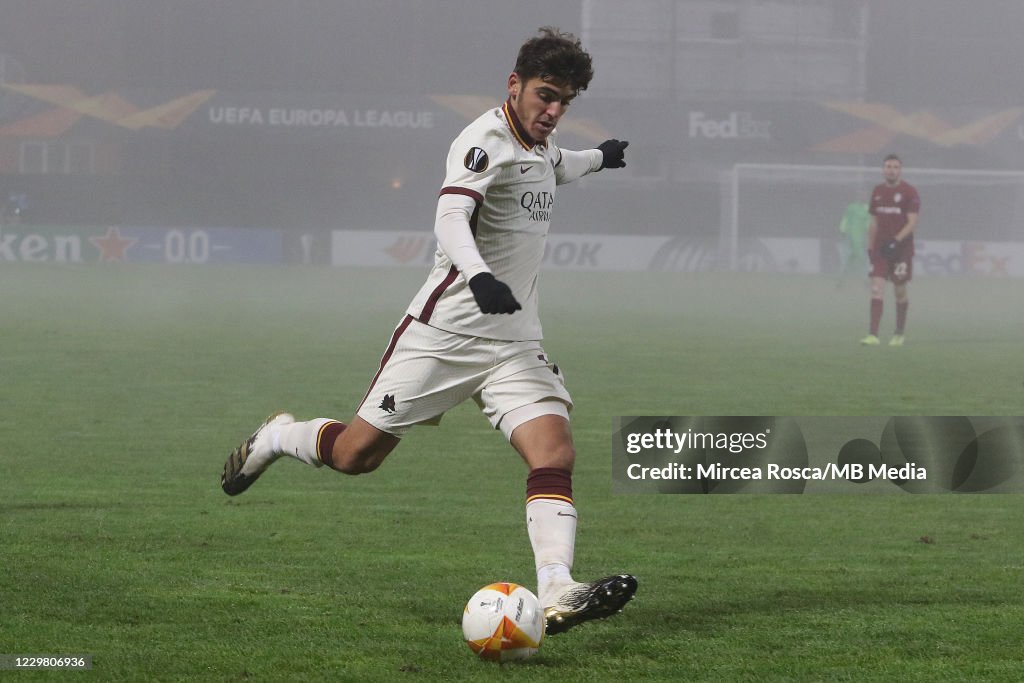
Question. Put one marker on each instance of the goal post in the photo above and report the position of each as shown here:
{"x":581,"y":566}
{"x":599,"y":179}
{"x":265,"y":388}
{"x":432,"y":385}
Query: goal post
{"x":791,"y":205}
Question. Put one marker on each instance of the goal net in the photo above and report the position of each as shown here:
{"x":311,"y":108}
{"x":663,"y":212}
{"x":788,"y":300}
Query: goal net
{"x":786,"y":217}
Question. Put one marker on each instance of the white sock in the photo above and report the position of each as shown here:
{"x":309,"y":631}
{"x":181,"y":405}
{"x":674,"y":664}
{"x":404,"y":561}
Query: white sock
{"x":298,"y":440}
{"x":551,"y":525}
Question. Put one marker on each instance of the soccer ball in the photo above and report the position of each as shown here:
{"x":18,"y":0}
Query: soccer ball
{"x":503,"y":622}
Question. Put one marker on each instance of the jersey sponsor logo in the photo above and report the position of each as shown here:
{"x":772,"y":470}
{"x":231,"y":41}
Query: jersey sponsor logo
{"x":476,"y":160}
{"x":895,"y":210}
{"x":539,"y":204}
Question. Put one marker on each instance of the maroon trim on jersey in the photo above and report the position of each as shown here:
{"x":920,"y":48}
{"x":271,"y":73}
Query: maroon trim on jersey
{"x":464,"y":191}
{"x":402,"y":326}
{"x":428,"y":308}
{"x":453,"y":272}
{"x":517,"y":126}
{"x":472,"y":194}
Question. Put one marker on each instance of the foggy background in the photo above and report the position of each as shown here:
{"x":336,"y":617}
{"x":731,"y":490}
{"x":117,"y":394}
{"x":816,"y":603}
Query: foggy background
{"x":696,"y":86}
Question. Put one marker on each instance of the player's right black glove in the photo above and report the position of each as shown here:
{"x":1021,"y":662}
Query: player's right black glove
{"x":614,"y":152}
{"x":492,"y":295}
{"x":890,"y":249}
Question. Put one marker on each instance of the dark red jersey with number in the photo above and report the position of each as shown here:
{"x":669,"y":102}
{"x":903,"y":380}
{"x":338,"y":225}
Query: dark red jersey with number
{"x":890,"y":205}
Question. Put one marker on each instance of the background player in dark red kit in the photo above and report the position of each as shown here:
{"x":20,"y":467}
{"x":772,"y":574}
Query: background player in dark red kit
{"x":894,"y":208}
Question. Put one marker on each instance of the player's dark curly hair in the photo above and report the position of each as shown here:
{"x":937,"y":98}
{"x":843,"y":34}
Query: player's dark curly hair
{"x":555,"y":56}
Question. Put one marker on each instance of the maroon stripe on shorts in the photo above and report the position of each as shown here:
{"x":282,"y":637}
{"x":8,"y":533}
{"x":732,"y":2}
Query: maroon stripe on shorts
{"x":402,"y":326}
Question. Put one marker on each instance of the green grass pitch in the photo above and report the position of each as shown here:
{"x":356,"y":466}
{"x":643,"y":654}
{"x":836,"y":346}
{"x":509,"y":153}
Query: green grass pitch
{"x":125,"y":387}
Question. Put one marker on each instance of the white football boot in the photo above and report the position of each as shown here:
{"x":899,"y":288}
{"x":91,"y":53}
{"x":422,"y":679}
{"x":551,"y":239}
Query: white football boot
{"x":252,"y":457}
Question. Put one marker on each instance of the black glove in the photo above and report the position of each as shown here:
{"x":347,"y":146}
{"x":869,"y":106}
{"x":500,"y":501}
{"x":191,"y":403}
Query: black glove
{"x":492,"y":295}
{"x":613,"y":151}
{"x":890,"y":249}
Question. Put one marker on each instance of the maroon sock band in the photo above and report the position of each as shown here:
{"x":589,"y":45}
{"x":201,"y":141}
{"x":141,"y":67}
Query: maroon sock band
{"x":549,"y":482}
{"x":329,"y":433}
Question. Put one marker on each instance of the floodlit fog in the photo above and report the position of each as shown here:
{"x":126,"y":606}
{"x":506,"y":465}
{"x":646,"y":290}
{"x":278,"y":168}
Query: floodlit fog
{"x":182,"y":123}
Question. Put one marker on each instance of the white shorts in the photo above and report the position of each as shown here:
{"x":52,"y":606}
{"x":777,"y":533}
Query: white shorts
{"x":426,"y":371}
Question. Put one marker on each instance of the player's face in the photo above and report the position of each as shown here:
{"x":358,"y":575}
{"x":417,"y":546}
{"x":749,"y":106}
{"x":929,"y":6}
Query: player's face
{"x":539,"y":104}
{"x":891,"y":169}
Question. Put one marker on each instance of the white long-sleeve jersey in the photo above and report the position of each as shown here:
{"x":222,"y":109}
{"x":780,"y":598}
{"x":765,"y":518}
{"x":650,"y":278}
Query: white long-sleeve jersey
{"x":498,"y":196}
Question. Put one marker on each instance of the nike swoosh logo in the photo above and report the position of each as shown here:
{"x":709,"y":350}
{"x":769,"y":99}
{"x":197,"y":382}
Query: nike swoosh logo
{"x":566,"y":514}
{"x":523,"y":169}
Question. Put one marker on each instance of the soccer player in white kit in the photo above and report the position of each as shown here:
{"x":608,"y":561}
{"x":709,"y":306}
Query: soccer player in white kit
{"x":473,"y":329}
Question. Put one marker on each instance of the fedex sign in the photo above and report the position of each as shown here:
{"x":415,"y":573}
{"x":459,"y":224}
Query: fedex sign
{"x":736,"y":125}
{"x":990,"y":259}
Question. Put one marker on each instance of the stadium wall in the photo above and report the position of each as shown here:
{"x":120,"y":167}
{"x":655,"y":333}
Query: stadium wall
{"x":389,"y":248}
{"x":377,"y":248}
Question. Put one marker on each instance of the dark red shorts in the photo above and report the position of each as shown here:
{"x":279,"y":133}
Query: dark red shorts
{"x":898,"y":269}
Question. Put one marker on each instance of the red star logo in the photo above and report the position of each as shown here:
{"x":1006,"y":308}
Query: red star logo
{"x":112,"y":246}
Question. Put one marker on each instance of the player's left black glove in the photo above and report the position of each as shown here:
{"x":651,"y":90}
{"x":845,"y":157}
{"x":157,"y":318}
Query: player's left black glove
{"x":614,"y":152}
{"x":890,"y":249}
{"x":492,"y":295}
